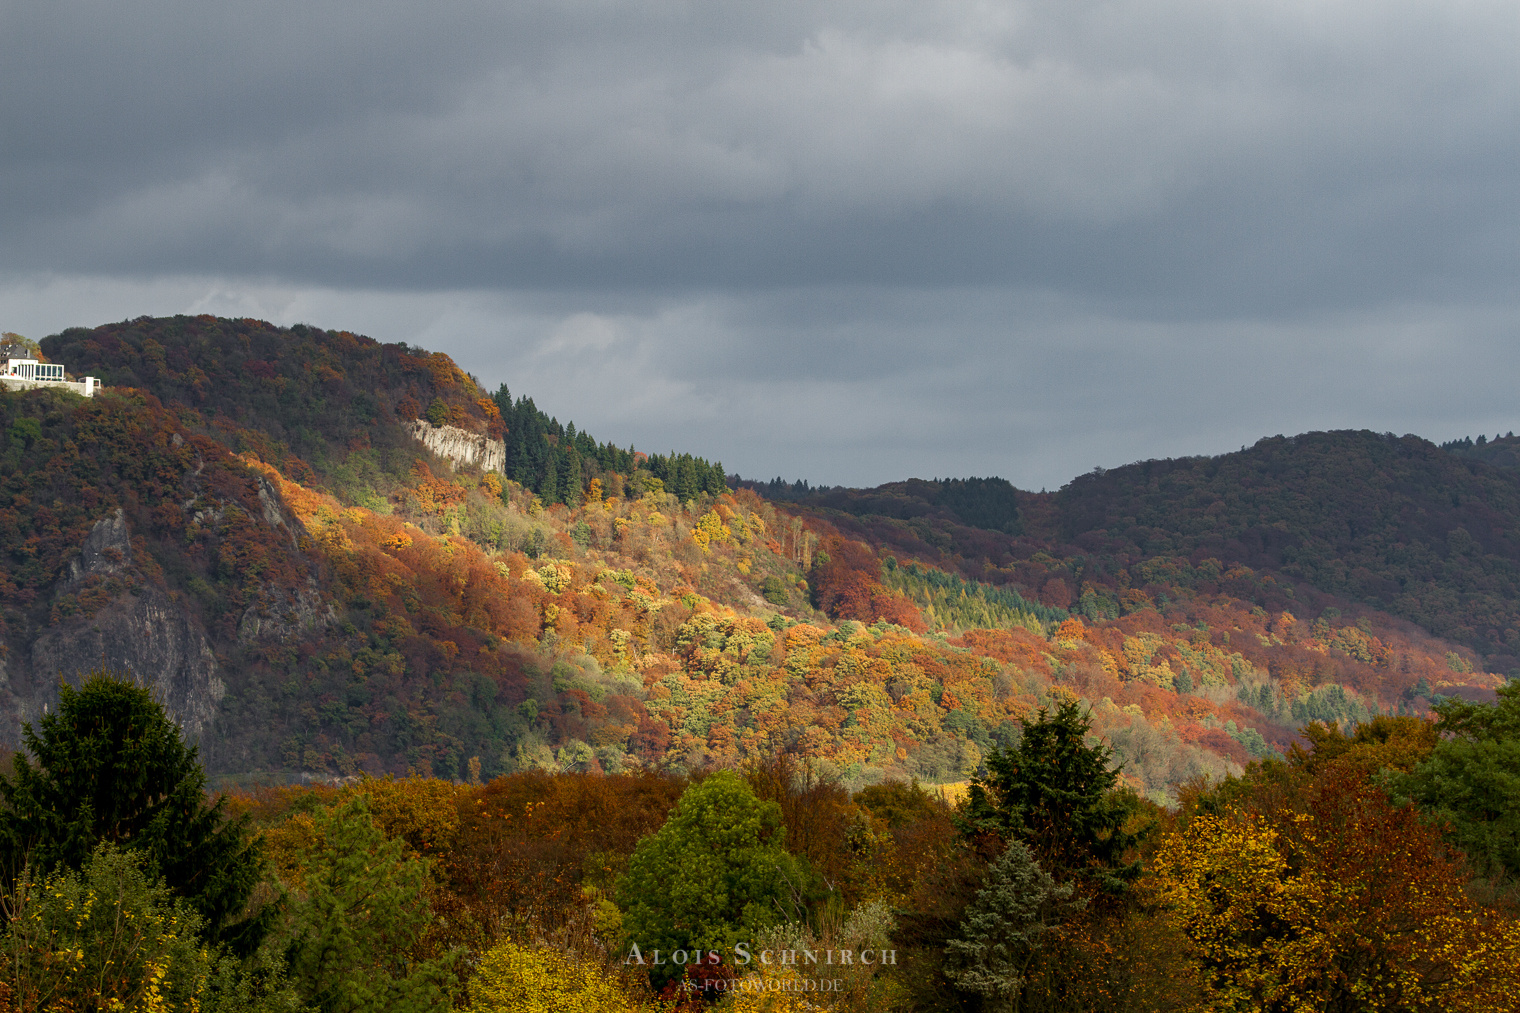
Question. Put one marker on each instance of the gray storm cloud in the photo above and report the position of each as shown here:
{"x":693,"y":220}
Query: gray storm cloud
{"x":852,"y":241}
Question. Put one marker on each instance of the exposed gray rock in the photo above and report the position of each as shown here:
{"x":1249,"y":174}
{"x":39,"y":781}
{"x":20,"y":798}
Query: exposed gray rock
{"x":460,"y":446}
{"x":143,"y":630}
{"x":149,"y":634}
{"x":285,"y":617}
{"x":271,"y":504}
{"x":107,"y":549}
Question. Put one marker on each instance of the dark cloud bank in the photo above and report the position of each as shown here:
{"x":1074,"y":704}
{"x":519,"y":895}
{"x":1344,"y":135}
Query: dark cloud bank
{"x":848,"y":241}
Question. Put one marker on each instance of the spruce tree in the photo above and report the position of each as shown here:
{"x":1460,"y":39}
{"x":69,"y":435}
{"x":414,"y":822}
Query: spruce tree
{"x":109,"y":766}
{"x":548,"y":487}
{"x":1001,"y":935}
{"x":355,"y":926}
{"x":687,"y":487}
{"x":573,"y":484}
{"x":1058,"y":795}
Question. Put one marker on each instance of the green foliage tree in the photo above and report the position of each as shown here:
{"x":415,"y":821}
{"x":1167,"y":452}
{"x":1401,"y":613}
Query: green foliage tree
{"x":774,"y":590}
{"x":1057,"y":794}
{"x":1471,"y":781}
{"x":1002,"y":932}
{"x":254,"y":985}
{"x":110,"y":936}
{"x":110,"y":766}
{"x":898,"y":803}
{"x":712,"y":876}
{"x":438,"y":412}
{"x":24,"y":432}
{"x":354,"y":924}
{"x":23,"y":344}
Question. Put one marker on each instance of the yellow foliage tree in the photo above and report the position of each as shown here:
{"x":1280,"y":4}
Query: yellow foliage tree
{"x":711,"y":529}
{"x":1340,"y":901}
{"x":516,"y":979}
{"x":422,"y":811}
{"x":774,"y":990}
{"x":106,"y":938}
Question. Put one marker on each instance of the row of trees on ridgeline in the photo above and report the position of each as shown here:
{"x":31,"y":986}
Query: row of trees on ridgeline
{"x":559,"y":462}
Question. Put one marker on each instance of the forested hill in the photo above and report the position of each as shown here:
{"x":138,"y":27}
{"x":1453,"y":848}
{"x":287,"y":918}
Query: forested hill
{"x":1503,"y":451}
{"x":334,"y":408}
{"x":1392,"y":521}
{"x":605,"y":681}
{"x":250,"y":519}
{"x":1427,"y":533}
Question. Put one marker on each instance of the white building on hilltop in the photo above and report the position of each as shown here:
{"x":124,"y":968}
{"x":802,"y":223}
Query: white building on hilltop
{"x":20,"y":374}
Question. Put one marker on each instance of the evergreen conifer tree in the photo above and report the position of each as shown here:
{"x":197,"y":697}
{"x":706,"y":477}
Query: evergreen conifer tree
{"x":110,"y":766}
{"x":687,"y":487}
{"x":573,"y":481}
{"x":548,"y":488}
{"x":1001,"y":935}
{"x":1057,"y":794}
{"x":357,"y":918}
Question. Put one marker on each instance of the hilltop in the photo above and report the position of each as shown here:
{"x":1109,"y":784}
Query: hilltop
{"x":1421,"y":532}
{"x":270,"y":526}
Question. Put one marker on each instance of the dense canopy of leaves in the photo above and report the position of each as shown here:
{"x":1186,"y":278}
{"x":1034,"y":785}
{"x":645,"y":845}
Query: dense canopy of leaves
{"x":1471,"y":781}
{"x":108,"y":936}
{"x":1393,"y":521}
{"x":714,"y":875}
{"x":1396,"y":522}
{"x":356,"y":918}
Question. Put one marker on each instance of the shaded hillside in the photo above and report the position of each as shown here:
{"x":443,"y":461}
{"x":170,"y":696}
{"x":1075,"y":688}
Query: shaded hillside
{"x":132,"y":540}
{"x":1428,"y":534}
{"x":301,"y":398}
{"x":1392,"y":521}
{"x":988,"y":503}
{"x":1501,"y":451}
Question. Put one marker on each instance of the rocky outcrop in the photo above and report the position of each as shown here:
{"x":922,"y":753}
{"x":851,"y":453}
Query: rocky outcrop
{"x":107,"y":550}
{"x":284,"y":616}
{"x":461,"y":447}
{"x":141,"y":629}
{"x":147,"y":634}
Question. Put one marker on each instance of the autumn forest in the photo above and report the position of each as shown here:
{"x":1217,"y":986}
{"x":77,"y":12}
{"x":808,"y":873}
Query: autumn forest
{"x":390,"y":691}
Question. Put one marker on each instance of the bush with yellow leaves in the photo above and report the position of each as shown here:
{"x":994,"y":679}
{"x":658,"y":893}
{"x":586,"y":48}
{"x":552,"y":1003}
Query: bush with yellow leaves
{"x":108,"y":937}
{"x":517,"y":979}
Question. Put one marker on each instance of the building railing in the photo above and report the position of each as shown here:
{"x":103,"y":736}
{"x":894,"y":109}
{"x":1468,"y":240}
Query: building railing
{"x":22,"y":373}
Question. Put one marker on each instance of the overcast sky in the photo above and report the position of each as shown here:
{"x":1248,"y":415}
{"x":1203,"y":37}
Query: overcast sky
{"x":851,"y":242}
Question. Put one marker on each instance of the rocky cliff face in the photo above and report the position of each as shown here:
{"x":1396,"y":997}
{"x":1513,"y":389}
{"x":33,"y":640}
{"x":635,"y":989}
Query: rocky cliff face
{"x":131,"y":625}
{"x":460,"y":446}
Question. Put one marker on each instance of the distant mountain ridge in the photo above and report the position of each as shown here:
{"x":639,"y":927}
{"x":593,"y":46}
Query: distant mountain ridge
{"x":1392,"y":521}
{"x":1425,"y":533}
